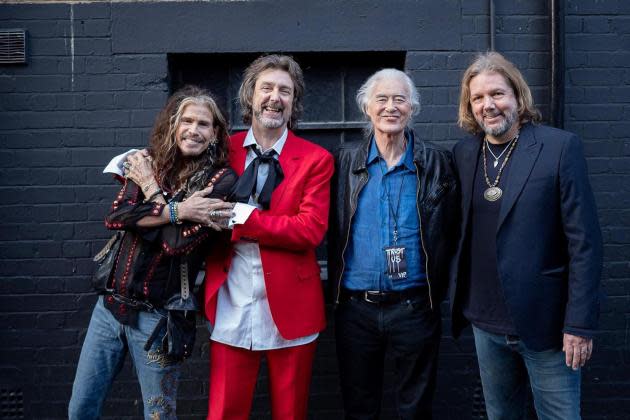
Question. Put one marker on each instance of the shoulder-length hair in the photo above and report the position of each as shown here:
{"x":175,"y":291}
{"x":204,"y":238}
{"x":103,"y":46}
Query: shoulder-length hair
{"x":494,"y":62}
{"x":272,"y":62}
{"x":172,"y":170}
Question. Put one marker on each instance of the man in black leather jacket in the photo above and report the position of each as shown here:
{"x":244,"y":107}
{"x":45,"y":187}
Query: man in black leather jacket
{"x":394,"y":219}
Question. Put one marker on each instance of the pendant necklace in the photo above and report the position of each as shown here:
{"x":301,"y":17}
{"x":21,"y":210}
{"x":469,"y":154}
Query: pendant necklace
{"x":496,"y":158}
{"x":493,"y":192}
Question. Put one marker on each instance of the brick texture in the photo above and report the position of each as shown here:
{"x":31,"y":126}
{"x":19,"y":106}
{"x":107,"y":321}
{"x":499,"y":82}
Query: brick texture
{"x":86,"y":95}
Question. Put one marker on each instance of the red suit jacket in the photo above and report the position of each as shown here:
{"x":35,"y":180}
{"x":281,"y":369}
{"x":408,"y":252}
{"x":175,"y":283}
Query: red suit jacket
{"x":287,"y":235}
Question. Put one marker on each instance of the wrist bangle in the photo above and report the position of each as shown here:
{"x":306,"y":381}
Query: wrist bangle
{"x":171,"y":215}
{"x":146,"y":186}
{"x":176,"y":207}
{"x":152,"y":196}
{"x":174,"y":216}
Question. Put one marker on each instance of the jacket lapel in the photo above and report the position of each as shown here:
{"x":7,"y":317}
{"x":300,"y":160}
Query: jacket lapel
{"x":289,"y":162}
{"x":467,"y":168}
{"x":523,"y":160}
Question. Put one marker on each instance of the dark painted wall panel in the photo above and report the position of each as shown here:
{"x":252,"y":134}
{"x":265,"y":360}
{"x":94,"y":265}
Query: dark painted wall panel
{"x":93,"y":83}
{"x":337,"y":25}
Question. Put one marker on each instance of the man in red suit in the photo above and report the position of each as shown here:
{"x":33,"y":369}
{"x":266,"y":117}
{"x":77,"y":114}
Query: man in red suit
{"x":263,"y":296}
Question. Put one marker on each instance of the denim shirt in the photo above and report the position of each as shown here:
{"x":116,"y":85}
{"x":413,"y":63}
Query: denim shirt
{"x":372,"y":226}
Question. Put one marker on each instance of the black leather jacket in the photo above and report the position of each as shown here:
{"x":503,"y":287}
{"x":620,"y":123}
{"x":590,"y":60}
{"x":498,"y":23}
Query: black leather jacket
{"x":437,"y":202}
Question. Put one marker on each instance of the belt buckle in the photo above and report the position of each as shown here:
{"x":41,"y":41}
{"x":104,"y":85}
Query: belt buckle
{"x":367,"y":293}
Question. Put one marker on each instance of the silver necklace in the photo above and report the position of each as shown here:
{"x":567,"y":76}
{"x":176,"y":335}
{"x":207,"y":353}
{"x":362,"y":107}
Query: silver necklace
{"x":496,"y":158}
{"x":493,"y":192}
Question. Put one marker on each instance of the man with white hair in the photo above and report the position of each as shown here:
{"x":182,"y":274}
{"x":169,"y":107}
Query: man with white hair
{"x":394,"y":211}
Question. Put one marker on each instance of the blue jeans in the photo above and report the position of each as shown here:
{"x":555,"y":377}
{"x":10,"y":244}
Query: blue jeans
{"x":102,"y":356}
{"x":505,"y":364}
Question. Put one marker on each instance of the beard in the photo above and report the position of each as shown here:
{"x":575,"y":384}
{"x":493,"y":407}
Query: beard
{"x":508,"y":121}
{"x":268,"y":122}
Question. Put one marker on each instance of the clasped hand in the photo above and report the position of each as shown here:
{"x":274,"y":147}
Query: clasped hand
{"x":211,"y":212}
{"x":198,"y":208}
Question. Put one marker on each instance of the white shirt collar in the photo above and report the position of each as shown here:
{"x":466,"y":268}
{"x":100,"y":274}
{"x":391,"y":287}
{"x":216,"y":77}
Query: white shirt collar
{"x":278,"y":145}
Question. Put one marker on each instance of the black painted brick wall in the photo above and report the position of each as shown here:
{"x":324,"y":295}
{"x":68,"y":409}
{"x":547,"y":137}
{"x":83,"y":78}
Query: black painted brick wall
{"x":597,"y":107}
{"x":89,"y":92}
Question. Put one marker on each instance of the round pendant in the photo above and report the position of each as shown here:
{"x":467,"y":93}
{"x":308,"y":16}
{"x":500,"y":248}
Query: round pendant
{"x":492,"y":193}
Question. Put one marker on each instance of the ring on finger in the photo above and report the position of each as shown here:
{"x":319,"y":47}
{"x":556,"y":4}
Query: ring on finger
{"x":213,"y":213}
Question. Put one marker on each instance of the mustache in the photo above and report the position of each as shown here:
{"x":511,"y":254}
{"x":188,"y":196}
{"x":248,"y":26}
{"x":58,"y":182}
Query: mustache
{"x":492,"y":114}
{"x":277,"y":107}
{"x":189,"y":136}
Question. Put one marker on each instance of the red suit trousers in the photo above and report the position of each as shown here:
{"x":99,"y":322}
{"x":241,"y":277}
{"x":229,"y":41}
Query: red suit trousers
{"x":233,"y":374}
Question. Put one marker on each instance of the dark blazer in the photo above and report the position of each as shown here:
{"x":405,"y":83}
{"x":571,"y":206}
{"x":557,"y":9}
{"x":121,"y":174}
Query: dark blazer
{"x":549,"y":245}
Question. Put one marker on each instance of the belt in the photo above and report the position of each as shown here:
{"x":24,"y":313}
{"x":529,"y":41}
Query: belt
{"x":383,"y":298}
{"x":132,"y":303}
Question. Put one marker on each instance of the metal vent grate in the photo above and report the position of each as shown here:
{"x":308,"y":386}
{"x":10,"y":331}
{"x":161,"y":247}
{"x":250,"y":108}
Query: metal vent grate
{"x":12,"y":46}
{"x":11,"y":404}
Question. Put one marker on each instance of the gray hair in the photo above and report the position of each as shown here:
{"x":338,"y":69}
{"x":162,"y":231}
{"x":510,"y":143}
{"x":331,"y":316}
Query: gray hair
{"x":365,"y":93}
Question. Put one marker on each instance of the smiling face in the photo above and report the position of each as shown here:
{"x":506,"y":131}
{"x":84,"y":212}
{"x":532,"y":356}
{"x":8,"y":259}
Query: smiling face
{"x":273,"y":100}
{"x":389,"y":107}
{"x":195,"y":130}
{"x":494,"y":106}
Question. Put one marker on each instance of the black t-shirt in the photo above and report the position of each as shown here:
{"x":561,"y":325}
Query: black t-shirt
{"x":484,"y":305}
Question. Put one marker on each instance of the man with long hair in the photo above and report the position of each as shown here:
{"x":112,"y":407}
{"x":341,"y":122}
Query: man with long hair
{"x":264,"y":297}
{"x":530,"y":255}
{"x":147,"y":307}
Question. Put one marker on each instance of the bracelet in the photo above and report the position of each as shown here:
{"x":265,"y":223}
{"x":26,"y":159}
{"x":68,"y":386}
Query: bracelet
{"x":171,"y":208}
{"x":146,"y":186}
{"x":174,"y":215}
{"x":152,"y":196}
{"x":177,"y":221}
{"x":176,"y":207}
